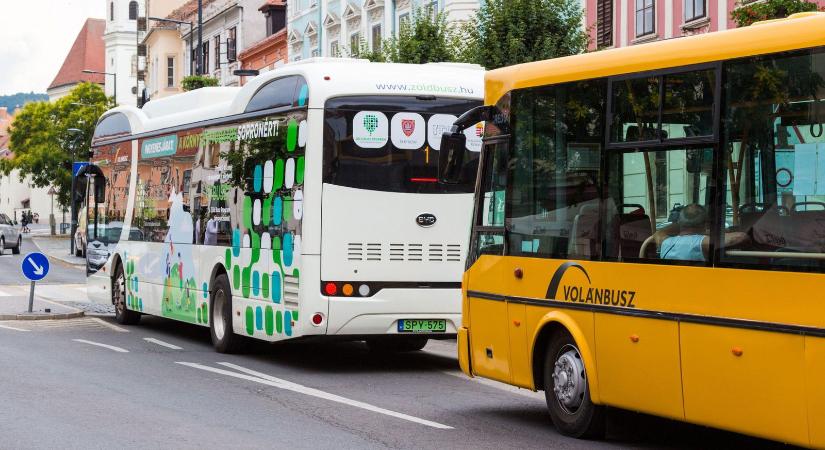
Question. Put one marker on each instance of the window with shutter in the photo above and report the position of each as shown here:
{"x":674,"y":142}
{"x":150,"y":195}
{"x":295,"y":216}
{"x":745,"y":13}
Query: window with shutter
{"x":604,"y":23}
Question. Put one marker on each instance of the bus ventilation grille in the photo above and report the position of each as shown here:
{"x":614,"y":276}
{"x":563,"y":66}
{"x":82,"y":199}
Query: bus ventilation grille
{"x":400,"y":252}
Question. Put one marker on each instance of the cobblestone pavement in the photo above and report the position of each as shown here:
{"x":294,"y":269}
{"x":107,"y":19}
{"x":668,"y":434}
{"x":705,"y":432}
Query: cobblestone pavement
{"x":91,"y":308}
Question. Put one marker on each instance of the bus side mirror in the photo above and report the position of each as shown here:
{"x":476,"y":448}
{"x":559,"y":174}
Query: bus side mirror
{"x":100,"y":189}
{"x":451,"y":157}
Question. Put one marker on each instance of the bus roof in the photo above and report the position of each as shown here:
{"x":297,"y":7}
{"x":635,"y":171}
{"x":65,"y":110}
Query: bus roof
{"x":326,"y":78}
{"x":802,"y":30}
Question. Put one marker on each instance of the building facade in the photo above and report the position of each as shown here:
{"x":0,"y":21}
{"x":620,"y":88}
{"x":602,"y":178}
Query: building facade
{"x":165,"y":64}
{"x":267,"y":49}
{"x":335,"y":27}
{"x":222,"y":38}
{"x":619,"y":23}
{"x":121,"y":39}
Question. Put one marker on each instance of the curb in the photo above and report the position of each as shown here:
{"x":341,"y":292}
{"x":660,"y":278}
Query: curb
{"x":27,"y":316}
{"x":34,"y":240}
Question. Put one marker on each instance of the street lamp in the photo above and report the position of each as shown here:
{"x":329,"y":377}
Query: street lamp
{"x":191,"y":30}
{"x":114,"y":75}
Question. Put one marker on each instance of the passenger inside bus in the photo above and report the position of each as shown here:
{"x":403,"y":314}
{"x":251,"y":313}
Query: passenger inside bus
{"x":687,"y":238}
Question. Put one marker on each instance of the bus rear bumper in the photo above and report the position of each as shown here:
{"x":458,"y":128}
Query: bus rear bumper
{"x":379,"y":315}
{"x":464,"y":351}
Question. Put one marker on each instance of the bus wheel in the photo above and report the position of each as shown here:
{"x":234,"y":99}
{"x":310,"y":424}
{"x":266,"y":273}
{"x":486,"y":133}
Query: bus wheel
{"x":567,"y":392}
{"x":123,"y":315}
{"x":396,"y":345}
{"x":224,"y":338}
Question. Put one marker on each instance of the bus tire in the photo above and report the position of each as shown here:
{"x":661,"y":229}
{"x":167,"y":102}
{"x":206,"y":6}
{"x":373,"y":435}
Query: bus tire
{"x":224,"y":339}
{"x":571,"y":409}
{"x":396,"y":345}
{"x":123,"y":315}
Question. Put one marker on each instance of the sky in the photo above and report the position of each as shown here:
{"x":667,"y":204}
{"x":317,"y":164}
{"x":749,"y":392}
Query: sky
{"x":35,"y":36}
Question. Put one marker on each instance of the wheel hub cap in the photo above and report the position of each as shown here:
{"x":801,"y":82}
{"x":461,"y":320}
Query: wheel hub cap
{"x":217,"y":314}
{"x":569,"y":380}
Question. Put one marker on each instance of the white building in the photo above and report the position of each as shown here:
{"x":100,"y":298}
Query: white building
{"x":333,"y":27}
{"x":121,"y":40}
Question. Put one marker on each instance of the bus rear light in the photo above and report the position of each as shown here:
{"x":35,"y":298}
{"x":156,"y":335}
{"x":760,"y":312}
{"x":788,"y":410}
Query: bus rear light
{"x":423,"y":180}
{"x":347,"y":289}
{"x":317,"y":319}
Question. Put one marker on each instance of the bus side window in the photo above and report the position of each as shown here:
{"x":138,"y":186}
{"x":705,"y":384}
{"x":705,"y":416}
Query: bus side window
{"x":663,"y":205}
{"x":773,"y":159}
{"x":554,"y":170}
{"x":490,"y":206}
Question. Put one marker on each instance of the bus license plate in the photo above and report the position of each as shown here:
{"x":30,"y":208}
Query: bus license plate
{"x":422,"y":325}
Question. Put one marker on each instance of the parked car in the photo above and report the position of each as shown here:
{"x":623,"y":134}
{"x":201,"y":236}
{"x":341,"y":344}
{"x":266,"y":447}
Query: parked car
{"x":80,"y":242}
{"x":9,"y":235}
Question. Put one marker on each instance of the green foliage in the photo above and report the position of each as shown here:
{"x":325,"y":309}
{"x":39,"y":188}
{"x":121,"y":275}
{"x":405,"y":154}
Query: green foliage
{"x":19,"y":99}
{"x":193,"y":82}
{"x":746,"y":15}
{"x":425,"y":38}
{"x":507,"y":32}
{"x":41,"y":141}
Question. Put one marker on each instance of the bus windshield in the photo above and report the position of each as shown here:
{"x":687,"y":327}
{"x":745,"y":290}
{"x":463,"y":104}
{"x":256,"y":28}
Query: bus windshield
{"x":391,"y":143}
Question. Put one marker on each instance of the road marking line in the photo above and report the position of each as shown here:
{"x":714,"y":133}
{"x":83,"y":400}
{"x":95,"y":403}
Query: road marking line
{"x":110,"y":347}
{"x":6,"y":327}
{"x":110,"y":325}
{"x":163,"y":344}
{"x":294,"y":387}
{"x":497,"y":385}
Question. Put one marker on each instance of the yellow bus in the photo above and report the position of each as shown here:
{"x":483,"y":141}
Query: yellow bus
{"x":649,"y":232}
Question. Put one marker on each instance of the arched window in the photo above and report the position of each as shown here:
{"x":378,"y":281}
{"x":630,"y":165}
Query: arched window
{"x":133,"y":10}
{"x":111,"y":11}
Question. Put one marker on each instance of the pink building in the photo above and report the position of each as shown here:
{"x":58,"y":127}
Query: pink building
{"x":619,"y":23}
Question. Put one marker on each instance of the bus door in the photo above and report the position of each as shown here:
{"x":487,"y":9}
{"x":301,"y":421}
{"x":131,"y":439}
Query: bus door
{"x":490,"y":345}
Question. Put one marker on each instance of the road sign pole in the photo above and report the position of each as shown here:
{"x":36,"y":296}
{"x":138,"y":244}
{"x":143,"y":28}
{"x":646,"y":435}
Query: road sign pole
{"x":31,"y":297}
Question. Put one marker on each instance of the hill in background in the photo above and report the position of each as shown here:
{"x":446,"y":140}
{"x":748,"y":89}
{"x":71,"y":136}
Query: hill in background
{"x":21,"y":98}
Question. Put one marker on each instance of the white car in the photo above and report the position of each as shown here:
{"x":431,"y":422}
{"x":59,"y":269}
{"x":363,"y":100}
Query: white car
{"x":9,"y":235}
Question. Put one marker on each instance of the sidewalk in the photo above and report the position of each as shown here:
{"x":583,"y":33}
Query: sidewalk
{"x":57,"y":247}
{"x":16,"y":307}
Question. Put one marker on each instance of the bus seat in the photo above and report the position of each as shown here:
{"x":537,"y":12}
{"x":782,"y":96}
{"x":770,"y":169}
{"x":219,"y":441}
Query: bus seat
{"x":769,"y":229}
{"x":806,"y":230}
{"x":632,"y":229}
{"x":584,"y":232}
{"x":648,"y":134}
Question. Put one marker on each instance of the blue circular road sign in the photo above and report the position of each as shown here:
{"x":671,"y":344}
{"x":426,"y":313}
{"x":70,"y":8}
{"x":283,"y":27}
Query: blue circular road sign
{"x":35,"y":266}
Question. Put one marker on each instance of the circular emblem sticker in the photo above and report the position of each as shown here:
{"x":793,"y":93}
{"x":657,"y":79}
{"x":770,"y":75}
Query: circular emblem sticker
{"x":370,"y":129}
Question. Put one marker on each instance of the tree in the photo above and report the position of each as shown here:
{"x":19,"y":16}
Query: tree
{"x":507,"y":32}
{"x":426,"y":37}
{"x":747,"y":14}
{"x":42,"y":143}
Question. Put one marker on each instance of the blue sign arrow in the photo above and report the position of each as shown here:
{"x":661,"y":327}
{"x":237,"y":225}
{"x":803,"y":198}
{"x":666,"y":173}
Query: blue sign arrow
{"x":76,"y":166}
{"x":35,"y":266}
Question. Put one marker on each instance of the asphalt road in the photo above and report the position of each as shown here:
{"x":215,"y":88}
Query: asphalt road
{"x":89,"y":383}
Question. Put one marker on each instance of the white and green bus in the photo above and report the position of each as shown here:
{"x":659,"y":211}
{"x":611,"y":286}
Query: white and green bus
{"x":305,"y":203}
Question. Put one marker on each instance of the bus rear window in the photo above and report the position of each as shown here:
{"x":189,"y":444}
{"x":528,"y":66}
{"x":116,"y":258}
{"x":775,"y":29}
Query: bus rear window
{"x":391,"y":143}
